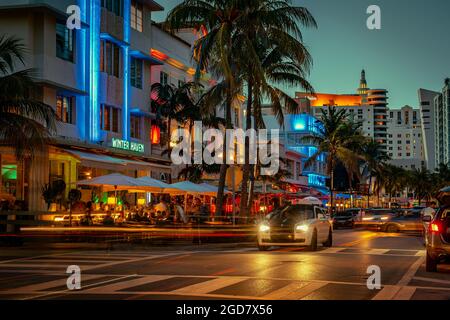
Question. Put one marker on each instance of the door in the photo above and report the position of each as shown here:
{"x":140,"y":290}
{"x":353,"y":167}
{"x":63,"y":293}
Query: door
{"x":322,"y":223}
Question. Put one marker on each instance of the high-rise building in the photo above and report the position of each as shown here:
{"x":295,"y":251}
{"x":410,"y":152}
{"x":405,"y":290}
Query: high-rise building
{"x":405,"y":138}
{"x":368,"y":106}
{"x":441,"y":104}
{"x":427,"y":117}
{"x":98,"y":79}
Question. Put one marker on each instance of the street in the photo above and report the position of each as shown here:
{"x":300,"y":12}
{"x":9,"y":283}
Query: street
{"x":228,"y":271}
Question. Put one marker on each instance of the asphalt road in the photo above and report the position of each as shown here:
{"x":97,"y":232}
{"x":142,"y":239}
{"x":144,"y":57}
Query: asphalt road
{"x":228,"y":271}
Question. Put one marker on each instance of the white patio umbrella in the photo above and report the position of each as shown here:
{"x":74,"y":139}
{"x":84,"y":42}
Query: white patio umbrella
{"x":213,"y":189}
{"x":111,"y":182}
{"x":153,"y":185}
{"x":187,"y":187}
{"x":310,"y":200}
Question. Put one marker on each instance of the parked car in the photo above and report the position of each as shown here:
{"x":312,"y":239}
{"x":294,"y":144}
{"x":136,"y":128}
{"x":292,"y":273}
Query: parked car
{"x":437,"y":238}
{"x":406,"y":221}
{"x":346,"y":219}
{"x":296,"y":225}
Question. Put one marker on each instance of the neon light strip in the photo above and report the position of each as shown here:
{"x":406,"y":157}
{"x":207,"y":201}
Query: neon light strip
{"x":126,"y":71}
{"x":94,"y":59}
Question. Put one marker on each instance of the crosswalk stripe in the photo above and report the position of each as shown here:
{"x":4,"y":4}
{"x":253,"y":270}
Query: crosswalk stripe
{"x":387,"y":293}
{"x":51,"y":284}
{"x":114,"y":287}
{"x":209,"y":286}
{"x":405,"y":293}
{"x":332,"y":250}
{"x":294,"y":292}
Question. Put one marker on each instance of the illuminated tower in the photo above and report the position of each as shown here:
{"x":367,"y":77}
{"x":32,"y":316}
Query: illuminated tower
{"x":362,"y":83}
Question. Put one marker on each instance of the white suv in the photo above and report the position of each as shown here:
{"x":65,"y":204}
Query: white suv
{"x":304,"y":225}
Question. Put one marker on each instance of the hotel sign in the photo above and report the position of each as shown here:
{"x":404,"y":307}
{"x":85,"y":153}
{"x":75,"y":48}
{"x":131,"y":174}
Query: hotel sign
{"x":128,"y":145}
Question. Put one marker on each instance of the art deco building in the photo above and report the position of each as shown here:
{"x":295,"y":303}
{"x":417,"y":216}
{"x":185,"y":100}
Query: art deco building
{"x":98,"y":80}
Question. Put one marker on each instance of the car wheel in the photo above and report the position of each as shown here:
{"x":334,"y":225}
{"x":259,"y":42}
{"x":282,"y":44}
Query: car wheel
{"x":430,"y":264}
{"x":329,"y":242}
{"x":391,"y":228}
{"x":313,"y":245}
{"x":262,"y":247}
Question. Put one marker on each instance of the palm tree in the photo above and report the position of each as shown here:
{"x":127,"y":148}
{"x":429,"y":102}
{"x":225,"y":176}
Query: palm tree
{"x":233,"y":30}
{"x":336,"y":138}
{"x":441,"y":176}
{"x":421,"y":184}
{"x":25,"y":123}
{"x":168,"y":100}
{"x":218,"y":18}
{"x":374,"y":159}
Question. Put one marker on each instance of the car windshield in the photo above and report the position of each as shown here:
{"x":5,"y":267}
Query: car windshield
{"x":292,"y":214}
{"x":347,"y":213}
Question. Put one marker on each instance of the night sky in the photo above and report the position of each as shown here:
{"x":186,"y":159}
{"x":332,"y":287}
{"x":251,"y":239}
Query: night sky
{"x":411,"y":51}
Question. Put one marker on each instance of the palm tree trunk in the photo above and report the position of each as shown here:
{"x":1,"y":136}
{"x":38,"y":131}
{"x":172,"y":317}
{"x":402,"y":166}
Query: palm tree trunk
{"x":224,"y":166}
{"x":368,"y":191}
{"x":168,"y":135}
{"x":246,"y":169}
{"x":332,"y":188}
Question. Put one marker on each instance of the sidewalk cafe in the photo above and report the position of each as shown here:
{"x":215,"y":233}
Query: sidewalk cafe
{"x":120,"y":200}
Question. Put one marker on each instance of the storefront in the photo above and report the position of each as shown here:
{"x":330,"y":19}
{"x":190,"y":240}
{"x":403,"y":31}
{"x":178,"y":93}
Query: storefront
{"x":22,"y":181}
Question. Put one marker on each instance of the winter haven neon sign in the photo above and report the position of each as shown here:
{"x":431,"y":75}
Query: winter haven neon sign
{"x":128,"y":145}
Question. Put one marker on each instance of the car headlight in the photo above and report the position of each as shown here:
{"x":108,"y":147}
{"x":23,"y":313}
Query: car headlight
{"x":368,"y":219}
{"x":302,"y":227}
{"x":384,"y":218}
{"x":264,"y":228}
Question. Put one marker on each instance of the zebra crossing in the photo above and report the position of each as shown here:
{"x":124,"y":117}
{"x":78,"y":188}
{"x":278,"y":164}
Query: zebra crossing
{"x":44,"y":277}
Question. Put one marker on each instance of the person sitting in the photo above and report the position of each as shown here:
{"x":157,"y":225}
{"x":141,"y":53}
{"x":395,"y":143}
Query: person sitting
{"x":108,"y":220}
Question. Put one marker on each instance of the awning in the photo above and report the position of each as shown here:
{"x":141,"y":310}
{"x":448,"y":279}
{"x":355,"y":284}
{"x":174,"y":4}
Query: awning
{"x":111,"y":163}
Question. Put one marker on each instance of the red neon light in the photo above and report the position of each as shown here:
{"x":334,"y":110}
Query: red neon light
{"x":155,"y":134}
{"x":159,"y":55}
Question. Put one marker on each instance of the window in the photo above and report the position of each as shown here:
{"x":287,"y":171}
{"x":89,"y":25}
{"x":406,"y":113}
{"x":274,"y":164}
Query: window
{"x":399,"y":135}
{"x":399,"y":154}
{"x":360,"y":111}
{"x":399,"y":141}
{"x":64,"y":42}
{"x":110,"y":58}
{"x":136,"y":16}
{"x":65,"y":109}
{"x":391,"y":114}
{"x":109,"y":118}
{"x":408,"y":142}
{"x":408,"y":154}
{"x":399,"y":148}
{"x":390,"y":142}
{"x":136,"y":73}
{"x":135,"y":127}
{"x":114,"y":6}
{"x":163,"y":78}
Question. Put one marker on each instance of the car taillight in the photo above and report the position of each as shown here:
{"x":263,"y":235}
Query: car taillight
{"x":435,"y":227}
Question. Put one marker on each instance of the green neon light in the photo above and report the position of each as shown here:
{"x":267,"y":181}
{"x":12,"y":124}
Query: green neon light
{"x":128,"y":145}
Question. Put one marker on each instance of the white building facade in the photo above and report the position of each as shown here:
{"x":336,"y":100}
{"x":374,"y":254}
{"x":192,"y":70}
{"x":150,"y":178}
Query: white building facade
{"x":405,"y":135}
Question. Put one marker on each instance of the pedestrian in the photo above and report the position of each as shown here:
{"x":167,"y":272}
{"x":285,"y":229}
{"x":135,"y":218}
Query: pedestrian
{"x":430,"y":210}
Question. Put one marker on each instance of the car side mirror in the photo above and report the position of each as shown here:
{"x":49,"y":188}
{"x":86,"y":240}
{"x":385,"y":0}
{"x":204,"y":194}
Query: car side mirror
{"x":426,"y":219}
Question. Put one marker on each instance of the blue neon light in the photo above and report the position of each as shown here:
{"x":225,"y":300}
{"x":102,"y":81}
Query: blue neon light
{"x":82,"y":66}
{"x":316,"y":180}
{"x":126,"y":70}
{"x":305,"y":122}
{"x":94,"y":43}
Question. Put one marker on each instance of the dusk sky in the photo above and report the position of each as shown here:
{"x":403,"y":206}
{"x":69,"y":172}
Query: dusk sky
{"x":411,"y":51}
